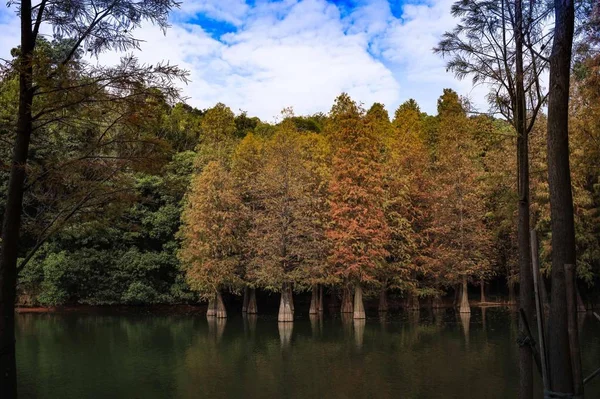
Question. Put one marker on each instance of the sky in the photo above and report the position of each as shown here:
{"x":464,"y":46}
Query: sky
{"x":260,"y":56}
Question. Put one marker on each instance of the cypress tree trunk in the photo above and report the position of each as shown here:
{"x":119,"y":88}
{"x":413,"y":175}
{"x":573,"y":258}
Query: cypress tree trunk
{"x":457,"y":295}
{"x":245,"y":301}
{"x":347,"y":301}
{"x":313,"y":300}
{"x":482,"y":296}
{"x":291,"y":296}
{"x":252,"y":308}
{"x":359,"y":309}
{"x":286,"y":314}
{"x":383,"y":304}
{"x":561,"y":198}
{"x":464,"y":300}
{"x":436,"y":302}
{"x":221,"y":311}
{"x":320,"y":307}
{"x":12,"y":213}
{"x":212,"y":306}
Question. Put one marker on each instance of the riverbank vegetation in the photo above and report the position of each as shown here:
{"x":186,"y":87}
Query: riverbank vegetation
{"x":412,"y":205}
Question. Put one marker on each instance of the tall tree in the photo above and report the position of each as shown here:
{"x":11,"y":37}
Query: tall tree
{"x":562,"y":362}
{"x":505,"y":43}
{"x":460,"y":240}
{"x":358,"y":230}
{"x":212,"y":233}
{"x":282,"y":236}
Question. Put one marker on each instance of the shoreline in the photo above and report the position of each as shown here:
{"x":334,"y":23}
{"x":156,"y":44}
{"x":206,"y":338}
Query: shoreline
{"x":173,"y":309}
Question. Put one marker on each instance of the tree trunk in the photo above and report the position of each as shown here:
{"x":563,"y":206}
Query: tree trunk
{"x":524,"y":246}
{"x":457,"y":295}
{"x":359,"y":309}
{"x":383,"y":303}
{"x":286,"y":314}
{"x":245,"y":301}
{"x":221,"y":311}
{"x":211,"y":311}
{"x":252,"y":308}
{"x":482,"y":288}
{"x":12,"y":213}
{"x":561,"y":198}
{"x":291,"y":296}
{"x":313,"y":300}
{"x":464,"y":298}
{"x":320,"y":307}
{"x":347,"y":301}
{"x":437,"y":302}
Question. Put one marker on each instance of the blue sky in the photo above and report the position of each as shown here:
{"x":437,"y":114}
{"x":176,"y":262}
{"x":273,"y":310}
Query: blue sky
{"x":263,"y":55}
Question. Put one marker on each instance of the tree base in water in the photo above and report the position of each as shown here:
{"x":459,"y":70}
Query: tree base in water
{"x":286,"y":313}
{"x":359,"y":309}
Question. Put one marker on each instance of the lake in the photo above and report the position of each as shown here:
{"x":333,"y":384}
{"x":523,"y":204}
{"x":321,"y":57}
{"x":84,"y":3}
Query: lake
{"x":427,"y":354}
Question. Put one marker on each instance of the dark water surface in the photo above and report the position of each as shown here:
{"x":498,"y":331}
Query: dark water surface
{"x":424,"y":355}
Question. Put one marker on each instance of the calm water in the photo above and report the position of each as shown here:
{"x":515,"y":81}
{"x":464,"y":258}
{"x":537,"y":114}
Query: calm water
{"x":427,"y":355}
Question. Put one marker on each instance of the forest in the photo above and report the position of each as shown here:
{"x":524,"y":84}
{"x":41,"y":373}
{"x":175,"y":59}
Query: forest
{"x":205,"y":201}
{"x":115,"y":191}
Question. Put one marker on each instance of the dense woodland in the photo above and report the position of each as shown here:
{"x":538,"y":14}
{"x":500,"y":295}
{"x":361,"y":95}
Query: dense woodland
{"x":172,"y":204}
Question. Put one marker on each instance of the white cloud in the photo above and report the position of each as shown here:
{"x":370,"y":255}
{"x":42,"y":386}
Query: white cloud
{"x":303,"y":53}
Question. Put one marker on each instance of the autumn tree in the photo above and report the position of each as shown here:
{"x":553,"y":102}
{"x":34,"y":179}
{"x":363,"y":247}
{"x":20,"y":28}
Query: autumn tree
{"x":213,"y":225}
{"x":407,"y":199}
{"x":282,"y":233}
{"x":246,"y":165}
{"x":460,"y":240}
{"x":358,"y":231}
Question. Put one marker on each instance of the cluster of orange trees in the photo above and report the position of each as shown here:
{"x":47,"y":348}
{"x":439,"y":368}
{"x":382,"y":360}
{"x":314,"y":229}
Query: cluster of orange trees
{"x":355,"y":201}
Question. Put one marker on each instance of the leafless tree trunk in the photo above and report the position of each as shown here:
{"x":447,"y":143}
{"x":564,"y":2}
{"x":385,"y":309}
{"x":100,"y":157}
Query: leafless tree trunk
{"x":12,"y":214}
{"x":561,"y":197}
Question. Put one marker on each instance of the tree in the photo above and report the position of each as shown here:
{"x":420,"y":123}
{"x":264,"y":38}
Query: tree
{"x":460,"y":241}
{"x":564,"y":364}
{"x":213,"y":226}
{"x":283,"y":235}
{"x":95,"y":26}
{"x":358,"y":231}
{"x":407,"y":200}
{"x":505,"y":43}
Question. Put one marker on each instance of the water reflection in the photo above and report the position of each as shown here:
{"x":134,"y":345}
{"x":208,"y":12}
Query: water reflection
{"x":285,"y":334}
{"x":359,"y":332}
{"x":216,"y":327}
{"x":465,"y":321}
{"x":83,"y":356}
